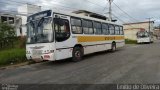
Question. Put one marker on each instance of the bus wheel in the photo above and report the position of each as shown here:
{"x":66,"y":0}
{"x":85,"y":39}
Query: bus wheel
{"x":113,"y":49}
{"x":77,"y":54}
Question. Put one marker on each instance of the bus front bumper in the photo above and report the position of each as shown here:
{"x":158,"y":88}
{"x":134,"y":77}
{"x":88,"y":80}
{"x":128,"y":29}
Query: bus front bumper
{"x":145,"y":40}
{"x":42,"y":57}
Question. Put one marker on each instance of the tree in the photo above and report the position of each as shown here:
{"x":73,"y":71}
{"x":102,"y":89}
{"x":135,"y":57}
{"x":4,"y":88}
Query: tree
{"x":7,"y":35}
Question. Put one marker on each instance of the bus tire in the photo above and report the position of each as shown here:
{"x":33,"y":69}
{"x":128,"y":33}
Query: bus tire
{"x":113,"y":47}
{"x":77,"y":54}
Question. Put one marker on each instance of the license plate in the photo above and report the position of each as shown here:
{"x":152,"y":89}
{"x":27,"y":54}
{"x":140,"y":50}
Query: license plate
{"x":37,"y":53}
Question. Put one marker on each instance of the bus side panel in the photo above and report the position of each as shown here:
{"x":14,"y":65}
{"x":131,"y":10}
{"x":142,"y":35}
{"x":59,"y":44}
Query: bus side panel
{"x":120,"y":44}
{"x":64,"y":49}
{"x":100,"y":48}
{"x":89,"y":49}
{"x":63,"y":53}
{"x":109,"y":46}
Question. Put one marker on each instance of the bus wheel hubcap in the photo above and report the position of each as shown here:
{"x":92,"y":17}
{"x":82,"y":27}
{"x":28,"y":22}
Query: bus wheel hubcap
{"x":78,"y":54}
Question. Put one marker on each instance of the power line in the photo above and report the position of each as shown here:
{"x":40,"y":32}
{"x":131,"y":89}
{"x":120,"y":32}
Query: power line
{"x":105,"y":7}
{"x":53,"y":3}
{"x":31,"y":4}
{"x":124,"y":16}
{"x":125,"y":12}
{"x":122,"y":20}
{"x":94,"y":3}
{"x":118,"y":18}
{"x":71,"y":7}
{"x":59,"y":5}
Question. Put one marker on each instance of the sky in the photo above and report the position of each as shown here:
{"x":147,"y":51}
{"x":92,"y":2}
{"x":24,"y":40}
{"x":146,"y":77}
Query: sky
{"x":125,"y":11}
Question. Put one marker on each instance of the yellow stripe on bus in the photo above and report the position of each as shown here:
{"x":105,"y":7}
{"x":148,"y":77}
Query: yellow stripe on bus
{"x":98,"y":38}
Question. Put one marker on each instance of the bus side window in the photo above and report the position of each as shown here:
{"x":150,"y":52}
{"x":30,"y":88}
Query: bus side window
{"x":111,"y":29}
{"x":87,"y":27}
{"x":105,"y":30}
{"x":97,"y":28}
{"x":76,"y":26}
{"x":62,"y":29}
{"x":117,"y":30}
{"x":121,"y":30}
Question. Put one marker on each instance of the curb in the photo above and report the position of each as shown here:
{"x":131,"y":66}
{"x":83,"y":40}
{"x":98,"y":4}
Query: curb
{"x":14,"y":66}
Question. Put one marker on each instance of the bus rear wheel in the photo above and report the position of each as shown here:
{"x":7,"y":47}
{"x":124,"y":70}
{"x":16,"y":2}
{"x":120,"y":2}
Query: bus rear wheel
{"x":77,"y":54}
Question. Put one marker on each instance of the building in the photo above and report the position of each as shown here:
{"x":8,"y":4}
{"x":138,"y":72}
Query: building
{"x":25,"y":11}
{"x":90,"y":14}
{"x":12,"y":19}
{"x":19,"y":19}
{"x":131,"y":29}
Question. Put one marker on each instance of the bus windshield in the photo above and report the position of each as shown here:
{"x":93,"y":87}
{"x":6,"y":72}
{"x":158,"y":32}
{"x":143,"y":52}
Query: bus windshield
{"x":39,"y":31}
{"x":142,"y":34}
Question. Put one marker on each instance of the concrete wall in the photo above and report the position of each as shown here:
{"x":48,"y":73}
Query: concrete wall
{"x":16,"y":21}
{"x":131,"y":34}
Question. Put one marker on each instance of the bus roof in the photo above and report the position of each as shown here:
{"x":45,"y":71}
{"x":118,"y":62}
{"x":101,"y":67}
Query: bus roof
{"x":76,"y":15}
{"x":83,"y":17}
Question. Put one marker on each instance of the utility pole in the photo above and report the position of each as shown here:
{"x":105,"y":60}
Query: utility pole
{"x":158,"y":32}
{"x":149,"y":25}
{"x":110,"y":9}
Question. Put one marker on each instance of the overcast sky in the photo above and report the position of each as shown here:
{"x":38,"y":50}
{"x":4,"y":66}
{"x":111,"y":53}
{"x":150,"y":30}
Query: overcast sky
{"x":138,"y":10}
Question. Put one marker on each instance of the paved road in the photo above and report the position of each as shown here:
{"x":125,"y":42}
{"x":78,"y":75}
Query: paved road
{"x":131,"y":64}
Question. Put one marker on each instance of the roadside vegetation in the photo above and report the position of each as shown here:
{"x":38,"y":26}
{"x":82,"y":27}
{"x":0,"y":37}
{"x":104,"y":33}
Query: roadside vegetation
{"x":12,"y":56}
{"x":128,"y":41}
{"x":12,"y":48}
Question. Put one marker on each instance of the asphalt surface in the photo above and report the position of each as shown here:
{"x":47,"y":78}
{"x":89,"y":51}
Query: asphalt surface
{"x":131,"y":64}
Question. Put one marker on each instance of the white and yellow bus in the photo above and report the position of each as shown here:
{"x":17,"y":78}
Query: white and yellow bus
{"x":56,"y":36}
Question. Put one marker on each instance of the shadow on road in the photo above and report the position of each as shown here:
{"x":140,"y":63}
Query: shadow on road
{"x":86,"y":57}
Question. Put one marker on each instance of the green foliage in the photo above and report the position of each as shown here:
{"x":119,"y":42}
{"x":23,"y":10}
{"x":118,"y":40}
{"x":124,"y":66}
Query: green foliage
{"x":6,"y":30}
{"x":7,"y":35}
{"x":128,"y":41}
{"x":12,"y":49}
{"x":12,"y":56}
{"x":22,"y":43}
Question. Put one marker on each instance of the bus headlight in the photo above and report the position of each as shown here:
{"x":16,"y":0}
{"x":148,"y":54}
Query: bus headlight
{"x":51,"y":51}
{"x":28,"y":52}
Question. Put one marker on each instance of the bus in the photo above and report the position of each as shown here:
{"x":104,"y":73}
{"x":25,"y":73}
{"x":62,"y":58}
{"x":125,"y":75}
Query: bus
{"x":55,"y":36}
{"x":144,"y":37}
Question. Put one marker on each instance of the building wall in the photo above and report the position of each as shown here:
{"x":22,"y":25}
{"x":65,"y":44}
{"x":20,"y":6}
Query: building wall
{"x":130,"y":30}
{"x":14,"y":21}
{"x":131,"y":34}
{"x":140,"y":25}
{"x":5,"y":18}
